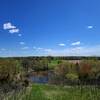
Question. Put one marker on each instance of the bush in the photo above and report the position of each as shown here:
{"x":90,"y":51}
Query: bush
{"x":72,"y":76}
{"x":9,"y":69}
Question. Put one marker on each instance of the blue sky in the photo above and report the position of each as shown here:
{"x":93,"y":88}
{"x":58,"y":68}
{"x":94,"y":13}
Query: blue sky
{"x":49,"y":27}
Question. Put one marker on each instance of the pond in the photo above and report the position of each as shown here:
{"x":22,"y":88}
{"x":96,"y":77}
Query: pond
{"x":39,"y":77}
{"x":36,"y":79}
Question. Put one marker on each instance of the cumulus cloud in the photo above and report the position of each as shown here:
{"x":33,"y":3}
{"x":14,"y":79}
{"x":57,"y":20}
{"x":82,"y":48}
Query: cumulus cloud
{"x":14,"y":31}
{"x":62,"y":44}
{"x":89,"y":27}
{"x":22,"y":43}
{"x":76,"y":43}
{"x":8,"y":26}
{"x":11,"y":28}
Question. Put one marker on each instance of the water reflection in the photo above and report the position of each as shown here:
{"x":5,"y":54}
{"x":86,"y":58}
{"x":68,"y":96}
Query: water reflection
{"x":39,"y":77}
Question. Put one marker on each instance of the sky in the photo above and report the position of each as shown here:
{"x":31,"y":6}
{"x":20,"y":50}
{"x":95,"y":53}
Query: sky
{"x":49,"y":27}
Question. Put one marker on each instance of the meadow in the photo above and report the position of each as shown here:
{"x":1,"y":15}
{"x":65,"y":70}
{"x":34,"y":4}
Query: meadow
{"x":52,"y":92}
{"x":66,"y":79}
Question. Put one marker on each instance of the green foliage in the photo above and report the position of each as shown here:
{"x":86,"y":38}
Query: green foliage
{"x":72,"y":76}
{"x":39,"y":65}
{"x":48,"y":92}
{"x":52,"y":64}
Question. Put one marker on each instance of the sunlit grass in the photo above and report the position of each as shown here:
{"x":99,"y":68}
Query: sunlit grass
{"x":49,"y":92}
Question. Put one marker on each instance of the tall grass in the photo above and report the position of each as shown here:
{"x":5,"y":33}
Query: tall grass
{"x":51,"y":92}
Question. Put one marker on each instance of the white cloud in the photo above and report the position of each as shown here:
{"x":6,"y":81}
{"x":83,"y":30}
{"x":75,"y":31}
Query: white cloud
{"x":39,"y":48}
{"x":77,"y":48}
{"x":89,"y":27}
{"x":61,"y":44}
{"x":42,"y":49}
{"x":19,"y":35}
{"x":14,"y":31}
{"x":77,"y":51}
{"x":22,"y":43}
{"x":11,"y":28}
{"x":25,"y":48}
{"x":8,"y":26}
{"x":48,"y":50}
{"x":76,"y":43}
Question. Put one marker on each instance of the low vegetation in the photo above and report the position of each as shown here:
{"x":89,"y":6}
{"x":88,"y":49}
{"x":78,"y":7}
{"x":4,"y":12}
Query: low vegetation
{"x":67,"y":79}
{"x":50,"y":92}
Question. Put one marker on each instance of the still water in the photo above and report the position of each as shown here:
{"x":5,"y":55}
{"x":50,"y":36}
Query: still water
{"x":36,"y":79}
{"x":39,"y":77}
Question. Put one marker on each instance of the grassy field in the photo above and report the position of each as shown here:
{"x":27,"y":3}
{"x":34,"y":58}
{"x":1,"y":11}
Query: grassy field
{"x":49,"y":92}
{"x":53,"y":64}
